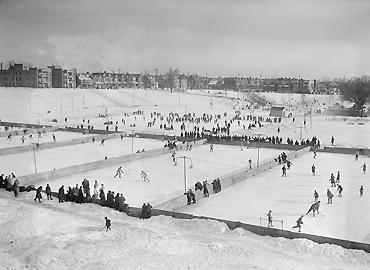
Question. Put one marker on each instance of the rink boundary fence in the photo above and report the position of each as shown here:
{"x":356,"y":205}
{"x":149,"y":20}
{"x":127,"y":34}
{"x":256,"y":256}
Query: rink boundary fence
{"x":260,"y":230}
{"x":345,"y":150}
{"x":50,"y":145}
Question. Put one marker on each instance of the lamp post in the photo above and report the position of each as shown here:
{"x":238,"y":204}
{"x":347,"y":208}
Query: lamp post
{"x":34,"y":156}
{"x":300,"y":136}
{"x":191,"y":166}
{"x":132,"y":140}
{"x":258,"y":147}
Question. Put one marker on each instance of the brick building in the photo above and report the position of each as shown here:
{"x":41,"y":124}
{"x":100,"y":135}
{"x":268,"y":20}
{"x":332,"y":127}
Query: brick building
{"x":19,"y":76}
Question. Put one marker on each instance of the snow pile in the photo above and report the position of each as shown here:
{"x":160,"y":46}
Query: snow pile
{"x":49,"y":235}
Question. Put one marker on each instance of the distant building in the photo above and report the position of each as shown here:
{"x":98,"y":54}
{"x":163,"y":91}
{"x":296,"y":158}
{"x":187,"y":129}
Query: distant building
{"x":19,"y":76}
{"x":277,"y":112}
{"x":44,"y":78}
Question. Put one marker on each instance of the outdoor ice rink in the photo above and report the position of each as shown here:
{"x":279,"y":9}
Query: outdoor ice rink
{"x":289,"y":197}
{"x":167,"y":180}
{"x":48,"y":159}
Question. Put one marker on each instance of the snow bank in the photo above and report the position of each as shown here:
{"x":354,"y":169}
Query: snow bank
{"x":49,"y":235}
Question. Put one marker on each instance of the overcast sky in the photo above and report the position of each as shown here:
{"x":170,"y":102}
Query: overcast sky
{"x":311,"y":39}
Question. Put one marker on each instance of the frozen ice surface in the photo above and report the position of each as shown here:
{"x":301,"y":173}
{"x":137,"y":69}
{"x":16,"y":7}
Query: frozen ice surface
{"x":167,"y":180}
{"x":45,"y":138}
{"x":48,"y":159}
{"x":289,"y":197}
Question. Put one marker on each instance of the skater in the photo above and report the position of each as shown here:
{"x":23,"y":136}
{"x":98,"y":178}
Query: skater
{"x":314,"y":153}
{"x":22,"y":139}
{"x":54,"y":139}
{"x":144,"y":176}
{"x":332,"y":180}
{"x":192,"y":196}
{"x":330,"y":196}
{"x":121,"y":137}
{"x":16,"y":187}
{"x":361,"y":191}
{"x":299,"y":223}
{"x":288,"y":164}
{"x":364,"y":168}
{"x":93,"y":140}
{"x":211,"y":148}
{"x":356,"y":156}
{"x":48,"y":192}
{"x":173,"y":156}
{"x":38,"y":194}
{"x":102,"y":142}
{"x":338,"y":177}
{"x":269,"y":218}
{"x":9,"y":137}
{"x":250,"y":163}
{"x":107,"y":223}
{"x":316,"y":196}
{"x":332,"y":140}
{"x":313,"y":169}
{"x":340,"y":189}
{"x":119,"y":172}
{"x":283,"y":169}
{"x":314,"y":208}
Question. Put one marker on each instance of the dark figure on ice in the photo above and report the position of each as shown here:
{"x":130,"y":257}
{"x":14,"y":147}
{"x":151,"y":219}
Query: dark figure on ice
{"x":16,"y":187}
{"x":198,"y":186}
{"x":332,"y":180}
{"x":330,"y":196}
{"x":269,"y":219}
{"x":356,"y":156}
{"x":102,"y":142}
{"x":332,"y":140}
{"x":313,"y":169}
{"x":340,"y":189}
{"x":299,"y":223}
{"x":364,"y":168}
{"x":190,"y":197}
{"x":38,"y":194}
{"x":283,"y":169}
{"x":107,"y":223}
{"x":316,"y":195}
{"x":288,"y":164}
{"x":205,"y":189}
{"x":361,"y":191}
{"x":338,"y":177}
{"x":314,"y":208}
{"x":48,"y":192}
{"x":250,"y":163}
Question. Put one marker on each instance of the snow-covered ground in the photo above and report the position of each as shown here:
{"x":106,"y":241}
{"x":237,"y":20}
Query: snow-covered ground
{"x":289,"y":197}
{"x":166,"y":180}
{"x":48,"y":159}
{"x":49,"y":235}
{"x":66,"y":236}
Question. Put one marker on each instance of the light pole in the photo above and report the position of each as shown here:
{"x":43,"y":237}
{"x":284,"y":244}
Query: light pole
{"x":132,"y":140}
{"x":300,"y":136}
{"x":258,"y":147}
{"x":191,"y":166}
{"x":34,"y":157}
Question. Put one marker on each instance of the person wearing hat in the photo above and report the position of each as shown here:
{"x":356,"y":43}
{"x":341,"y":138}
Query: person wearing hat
{"x":299,"y":223}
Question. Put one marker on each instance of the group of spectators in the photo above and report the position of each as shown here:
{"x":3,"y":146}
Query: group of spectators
{"x":10,"y":183}
{"x":202,"y":188}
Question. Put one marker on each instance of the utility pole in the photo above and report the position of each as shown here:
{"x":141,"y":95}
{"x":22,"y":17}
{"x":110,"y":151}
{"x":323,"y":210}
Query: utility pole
{"x":258,"y":148}
{"x":34,"y":157}
{"x":132,"y":140}
{"x":191,"y":166}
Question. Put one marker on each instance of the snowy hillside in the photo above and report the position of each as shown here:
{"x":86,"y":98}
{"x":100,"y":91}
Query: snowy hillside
{"x":49,"y":235}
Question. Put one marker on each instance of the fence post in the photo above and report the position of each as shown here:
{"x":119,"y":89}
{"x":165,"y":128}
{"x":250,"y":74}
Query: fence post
{"x":260,"y":221}
{"x":282,"y":224}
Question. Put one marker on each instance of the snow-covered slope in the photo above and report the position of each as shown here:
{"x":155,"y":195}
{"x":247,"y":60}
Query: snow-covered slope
{"x":49,"y":235}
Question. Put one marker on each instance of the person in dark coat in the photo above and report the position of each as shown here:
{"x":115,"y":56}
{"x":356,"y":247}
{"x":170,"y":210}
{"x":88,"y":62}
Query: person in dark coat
{"x":107,"y":223}
{"x":61,"y":195}
{"x":340,"y":189}
{"x":80,"y":196}
{"x":299,"y":223}
{"x":188,"y":197}
{"x":143,"y":211}
{"x":205,"y":189}
{"x":16,"y":187}
{"x":38,"y":194}
{"x":330,"y":196}
{"x":48,"y":192}
{"x":102,"y":197}
{"x":314,"y":208}
{"x":192,"y":195}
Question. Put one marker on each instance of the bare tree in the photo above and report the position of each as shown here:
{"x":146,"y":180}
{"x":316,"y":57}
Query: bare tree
{"x":357,"y":91}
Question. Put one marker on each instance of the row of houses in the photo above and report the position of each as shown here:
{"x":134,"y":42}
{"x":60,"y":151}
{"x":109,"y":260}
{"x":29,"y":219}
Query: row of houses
{"x":19,"y":75}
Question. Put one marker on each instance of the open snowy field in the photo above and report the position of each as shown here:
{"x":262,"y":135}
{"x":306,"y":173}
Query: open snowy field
{"x":49,"y":235}
{"x":289,"y":197}
{"x":167,"y":180}
{"x":45,"y":138}
{"x":48,"y":159}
